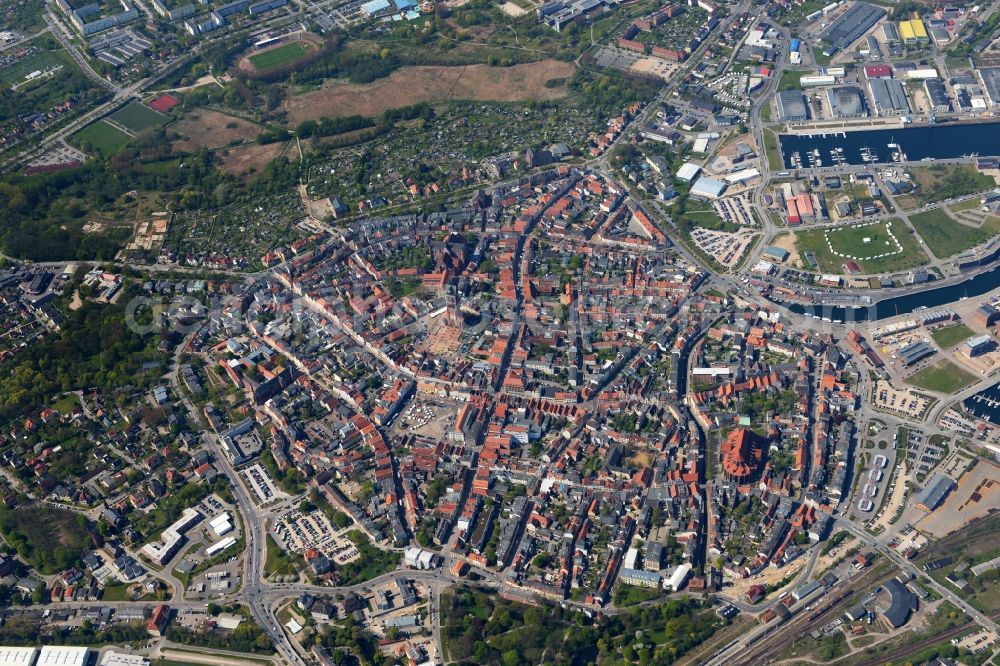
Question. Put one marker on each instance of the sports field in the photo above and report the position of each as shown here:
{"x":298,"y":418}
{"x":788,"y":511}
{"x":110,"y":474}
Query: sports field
{"x":863,"y":245}
{"x":137,"y":117}
{"x":102,"y":136}
{"x":279,"y":56}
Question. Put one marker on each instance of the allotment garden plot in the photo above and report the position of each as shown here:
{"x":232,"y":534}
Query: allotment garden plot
{"x":461,"y":136}
{"x":236,"y":236}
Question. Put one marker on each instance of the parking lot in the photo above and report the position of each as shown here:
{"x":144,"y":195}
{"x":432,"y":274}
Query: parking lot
{"x":616,"y":58}
{"x":58,"y":153}
{"x":731,"y":89}
{"x":923,"y":455}
{"x":261,"y":484}
{"x":735,"y":210}
{"x":900,"y":401}
{"x":727,"y":248}
{"x":303,"y":531}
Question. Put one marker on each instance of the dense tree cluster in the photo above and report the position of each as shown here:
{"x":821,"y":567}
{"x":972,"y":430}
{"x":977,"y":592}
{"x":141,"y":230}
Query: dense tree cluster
{"x":610,"y":92}
{"x":248,"y":637}
{"x":94,"y":348}
{"x":484,"y":629}
{"x":48,"y":539}
{"x":26,"y":630}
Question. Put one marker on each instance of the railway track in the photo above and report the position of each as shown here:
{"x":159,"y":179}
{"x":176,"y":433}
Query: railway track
{"x":912,"y":648}
{"x":792,"y":631}
{"x":770,"y":643}
{"x":787,"y":634}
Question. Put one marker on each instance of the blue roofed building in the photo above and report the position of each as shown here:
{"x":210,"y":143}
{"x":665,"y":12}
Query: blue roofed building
{"x":708,"y":188}
{"x":376,"y":7}
{"x":775,"y":252}
{"x":933,"y":493}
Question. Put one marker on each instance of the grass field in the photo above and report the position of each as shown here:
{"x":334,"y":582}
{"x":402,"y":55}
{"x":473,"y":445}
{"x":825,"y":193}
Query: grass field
{"x":67,"y":403}
{"x":278,"y":561}
{"x":279,"y":56}
{"x":949,"y":336}
{"x":704,"y":216}
{"x":117,"y":592}
{"x":864,"y":241}
{"x":968,"y":204}
{"x":850,"y":241}
{"x":819,"y":57}
{"x":771,"y":149}
{"x":946,"y":237}
{"x":137,"y":117}
{"x":791,"y":80}
{"x":943,"y":377}
{"x":102,"y":136}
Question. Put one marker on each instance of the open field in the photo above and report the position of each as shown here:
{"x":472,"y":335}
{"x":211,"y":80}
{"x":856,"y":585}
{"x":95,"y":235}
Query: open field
{"x":249,"y":159}
{"x":410,"y":85}
{"x":850,"y":241}
{"x":137,"y":117}
{"x":943,"y":377}
{"x":937,"y":183}
{"x":946,"y":237}
{"x":49,"y":539}
{"x":279,"y":562}
{"x":102,"y":136}
{"x":790,"y":80}
{"x":280,"y":56}
{"x":204,"y":128}
{"x":15,"y":73}
{"x":949,"y":336}
{"x":863,"y":241}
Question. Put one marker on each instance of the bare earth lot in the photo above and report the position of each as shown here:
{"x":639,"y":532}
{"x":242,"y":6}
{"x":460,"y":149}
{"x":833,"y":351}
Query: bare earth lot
{"x":204,"y":128}
{"x":411,"y":85}
{"x":249,"y":159}
{"x":975,"y":497}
